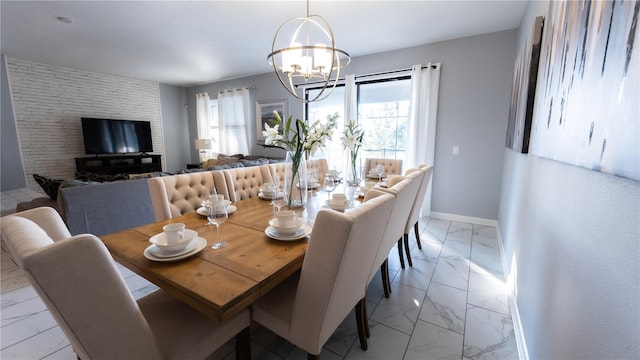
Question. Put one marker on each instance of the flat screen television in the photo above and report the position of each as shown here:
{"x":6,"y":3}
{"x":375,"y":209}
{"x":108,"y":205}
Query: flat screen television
{"x":108,"y":136}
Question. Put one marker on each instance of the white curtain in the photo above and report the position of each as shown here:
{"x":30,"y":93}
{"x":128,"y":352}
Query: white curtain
{"x":350,"y":99}
{"x":233,"y":117}
{"x":421,"y":141}
{"x":202,"y":118}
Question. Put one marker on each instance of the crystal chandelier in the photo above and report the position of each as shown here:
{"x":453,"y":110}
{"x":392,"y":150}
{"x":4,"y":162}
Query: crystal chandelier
{"x":307,"y":55}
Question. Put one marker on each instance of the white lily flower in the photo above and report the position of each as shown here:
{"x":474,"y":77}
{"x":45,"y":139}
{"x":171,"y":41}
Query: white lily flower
{"x":271,"y":134}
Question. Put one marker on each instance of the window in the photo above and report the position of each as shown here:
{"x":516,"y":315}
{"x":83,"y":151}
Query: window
{"x":383,"y":113}
{"x":334,"y":103}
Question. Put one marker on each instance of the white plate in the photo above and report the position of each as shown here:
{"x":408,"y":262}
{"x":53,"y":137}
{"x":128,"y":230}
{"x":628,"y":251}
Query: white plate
{"x":342,"y":207}
{"x":226,"y":202}
{"x":311,"y":186}
{"x":196,"y":245}
{"x":383,"y":184}
{"x":304,"y":231}
{"x":261,"y":195}
{"x":274,"y":224}
{"x":203,"y":211}
{"x":159,"y":238}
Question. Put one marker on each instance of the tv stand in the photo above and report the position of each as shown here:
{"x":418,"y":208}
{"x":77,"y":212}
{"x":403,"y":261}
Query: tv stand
{"x":119,"y":164}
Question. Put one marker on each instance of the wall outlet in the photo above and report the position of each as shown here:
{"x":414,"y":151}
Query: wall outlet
{"x":456,"y":150}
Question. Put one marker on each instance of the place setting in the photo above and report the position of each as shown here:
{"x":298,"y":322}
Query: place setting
{"x":270,"y":191}
{"x":361,"y":191}
{"x":205,"y":205}
{"x":174,"y":243}
{"x":377,"y":173}
{"x":338,"y":202}
{"x":287,"y":226}
{"x":311,"y":181}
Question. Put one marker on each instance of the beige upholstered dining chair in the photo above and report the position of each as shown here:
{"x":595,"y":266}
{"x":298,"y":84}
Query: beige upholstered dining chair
{"x":404,"y":190}
{"x":416,"y":175}
{"x":245,"y":183}
{"x":391,"y":166}
{"x":176,"y":195}
{"x":414,"y":216}
{"x":81,"y":286}
{"x":307,"y":309}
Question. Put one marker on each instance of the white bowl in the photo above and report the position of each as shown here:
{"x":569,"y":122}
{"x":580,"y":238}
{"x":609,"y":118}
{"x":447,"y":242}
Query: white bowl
{"x":340,"y":206}
{"x":286,"y":230}
{"x":160,"y":242}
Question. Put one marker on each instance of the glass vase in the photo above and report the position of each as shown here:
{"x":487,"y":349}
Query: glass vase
{"x":353,"y":169}
{"x":295,"y":179}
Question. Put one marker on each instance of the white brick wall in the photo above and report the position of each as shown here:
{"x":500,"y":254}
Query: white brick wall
{"x":49,"y":101}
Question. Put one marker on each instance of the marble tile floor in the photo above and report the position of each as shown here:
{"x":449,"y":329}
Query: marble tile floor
{"x":451,"y":304}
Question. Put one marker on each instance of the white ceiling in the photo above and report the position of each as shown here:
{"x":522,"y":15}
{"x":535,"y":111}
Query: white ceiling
{"x":194,"y":42}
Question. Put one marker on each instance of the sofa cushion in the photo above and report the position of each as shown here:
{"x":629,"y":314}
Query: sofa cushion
{"x":100,"y":177}
{"x":49,"y":185}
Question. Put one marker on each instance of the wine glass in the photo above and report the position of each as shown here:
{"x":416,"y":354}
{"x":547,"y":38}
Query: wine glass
{"x":276,"y":199}
{"x":329,"y":185}
{"x":312,"y":178}
{"x":380,"y":171}
{"x":217,"y":215}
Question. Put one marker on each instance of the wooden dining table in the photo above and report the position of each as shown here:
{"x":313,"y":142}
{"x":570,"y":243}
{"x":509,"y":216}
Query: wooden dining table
{"x":221,"y":283}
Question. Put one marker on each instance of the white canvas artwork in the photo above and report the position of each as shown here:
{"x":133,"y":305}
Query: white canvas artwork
{"x":588,"y":96}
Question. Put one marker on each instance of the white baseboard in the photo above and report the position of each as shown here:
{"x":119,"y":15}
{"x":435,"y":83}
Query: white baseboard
{"x":523,"y":353}
{"x":461,"y":218}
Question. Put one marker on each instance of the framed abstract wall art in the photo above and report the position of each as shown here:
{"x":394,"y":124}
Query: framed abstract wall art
{"x":264,"y":112}
{"x":525,"y":77}
{"x":587,"y":109}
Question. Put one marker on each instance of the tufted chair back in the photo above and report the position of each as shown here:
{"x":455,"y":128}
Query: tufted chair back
{"x":176,"y":195}
{"x":391,"y":166}
{"x":320,"y":166}
{"x":245,"y":182}
{"x":277,"y":170}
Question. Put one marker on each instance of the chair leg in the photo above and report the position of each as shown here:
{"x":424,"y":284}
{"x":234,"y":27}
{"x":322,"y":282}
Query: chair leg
{"x":406,"y":249}
{"x":243,"y":345}
{"x":400,"y":252}
{"x":386,"y":283}
{"x":361,"y":322}
{"x":366,"y":318}
{"x":415,"y":228}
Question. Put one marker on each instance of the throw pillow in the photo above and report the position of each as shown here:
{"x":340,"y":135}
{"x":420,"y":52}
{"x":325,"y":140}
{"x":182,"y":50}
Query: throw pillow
{"x":226,"y":159}
{"x":210,"y":162}
{"x":49,"y":185}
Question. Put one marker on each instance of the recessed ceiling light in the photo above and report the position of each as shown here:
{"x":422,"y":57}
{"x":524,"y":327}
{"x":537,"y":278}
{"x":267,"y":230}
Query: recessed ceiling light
{"x":64,"y":19}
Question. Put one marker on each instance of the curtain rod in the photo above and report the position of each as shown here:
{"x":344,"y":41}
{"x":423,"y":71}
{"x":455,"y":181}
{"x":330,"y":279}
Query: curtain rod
{"x":432,"y":65}
{"x":240,"y":88}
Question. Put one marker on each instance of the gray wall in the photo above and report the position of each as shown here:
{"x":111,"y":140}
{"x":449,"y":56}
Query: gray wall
{"x":175,"y":127}
{"x":12,"y":171}
{"x":571,"y":237}
{"x":475,"y":87}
